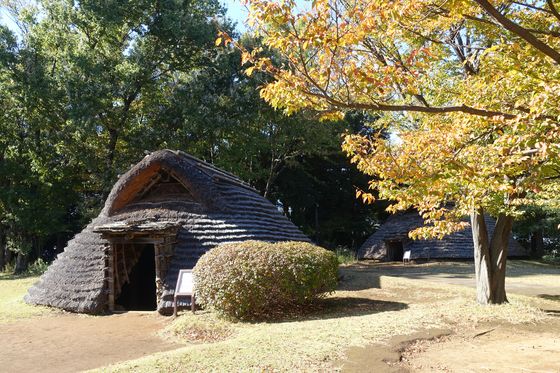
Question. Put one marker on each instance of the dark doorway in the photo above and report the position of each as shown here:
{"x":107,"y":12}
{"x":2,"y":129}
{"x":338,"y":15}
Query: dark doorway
{"x":395,"y":251}
{"x":139,"y":294}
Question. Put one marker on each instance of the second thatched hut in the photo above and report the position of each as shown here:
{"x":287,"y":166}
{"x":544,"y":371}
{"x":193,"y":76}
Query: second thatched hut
{"x":391,"y":241}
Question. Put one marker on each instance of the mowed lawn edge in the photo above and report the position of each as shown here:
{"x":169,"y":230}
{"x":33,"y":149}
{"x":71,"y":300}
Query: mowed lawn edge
{"x":12,"y":306}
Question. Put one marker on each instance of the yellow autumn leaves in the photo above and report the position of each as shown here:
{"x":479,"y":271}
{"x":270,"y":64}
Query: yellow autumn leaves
{"x":476,"y":108}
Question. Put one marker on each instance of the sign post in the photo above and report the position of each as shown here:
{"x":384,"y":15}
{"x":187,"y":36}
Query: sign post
{"x":184,"y":288}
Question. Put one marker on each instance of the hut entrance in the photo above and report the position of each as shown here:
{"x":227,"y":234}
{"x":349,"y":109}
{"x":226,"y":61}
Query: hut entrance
{"x":138,"y":292}
{"x":137,"y":258}
{"x":395,"y":251}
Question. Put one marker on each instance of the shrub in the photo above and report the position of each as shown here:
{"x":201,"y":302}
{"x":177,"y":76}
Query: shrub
{"x":345,"y":255}
{"x":259,"y":280}
{"x":553,"y":257}
{"x":38,"y":267}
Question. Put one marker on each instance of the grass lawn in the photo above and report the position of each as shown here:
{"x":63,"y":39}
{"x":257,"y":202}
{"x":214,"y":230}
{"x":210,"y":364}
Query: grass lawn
{"x":534,"y":272}
{"x":369,"y":307}
{"x":12,"y":306}
{"x":374,"y":303}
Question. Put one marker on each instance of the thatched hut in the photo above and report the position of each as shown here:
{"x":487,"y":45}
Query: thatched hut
{"x":161,"y":216}
{"x":391,"y":241}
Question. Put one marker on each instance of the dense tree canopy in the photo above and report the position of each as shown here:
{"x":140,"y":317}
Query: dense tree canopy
{"x":75,"y":87}
{"x":469,"y":88}
{"x":88,"y":87}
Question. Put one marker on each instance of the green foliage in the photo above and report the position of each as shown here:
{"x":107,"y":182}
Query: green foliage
{"x":345,"y":255}
{"x":261,"y":280}
{"x":541,"y":219}
{"x":38,"y":267}
{"x":76,"y":87}
{"x":553,"y":256}
{"x":16,"y":245}
{"x":9,"y":269}
{"x":86,"y":88}
{"x":320,"y":192}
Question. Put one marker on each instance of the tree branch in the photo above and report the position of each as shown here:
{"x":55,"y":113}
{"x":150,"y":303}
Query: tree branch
{"x":531,"y":7}
{"x":446,"y":109}
{"x":413,"y":108}
{"x":553,"y":9}
{"x":534,"y":31}
{"x":519,"y":31}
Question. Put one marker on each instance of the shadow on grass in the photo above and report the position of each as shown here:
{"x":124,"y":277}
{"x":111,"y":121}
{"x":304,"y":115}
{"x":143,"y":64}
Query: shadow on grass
{"x":363,"y":277}
{"x":355,"y":306}
{"x":550,"y":297}
{"x":352,"y":278}
{"x":461,"y":270}
{"x":555,"y":298}
{"x":334,"y":308}
{"x":10,"y":276}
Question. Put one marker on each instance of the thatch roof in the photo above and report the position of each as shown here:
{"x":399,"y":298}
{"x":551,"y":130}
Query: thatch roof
{"x":458,"y":245}
{"x":166,"y":190}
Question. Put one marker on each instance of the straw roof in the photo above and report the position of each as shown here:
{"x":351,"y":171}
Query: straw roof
{"x":458,"y":245}
{"x":166,"y":190}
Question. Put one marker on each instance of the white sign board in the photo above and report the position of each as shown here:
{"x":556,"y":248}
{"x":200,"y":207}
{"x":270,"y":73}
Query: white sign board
{"x":185,"y":282}
{"x":406,"y":255}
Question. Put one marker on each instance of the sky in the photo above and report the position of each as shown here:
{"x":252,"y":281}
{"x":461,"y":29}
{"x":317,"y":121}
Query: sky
{"x":6,"y":20}
{"x":237,"y":13}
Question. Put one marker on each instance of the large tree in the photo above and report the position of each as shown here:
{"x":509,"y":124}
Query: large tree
{"x":77,"y":83}
{"x":469,"y":89}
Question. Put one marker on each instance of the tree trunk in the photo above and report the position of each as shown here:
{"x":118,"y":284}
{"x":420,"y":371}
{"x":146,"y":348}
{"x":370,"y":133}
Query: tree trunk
{"x":9,"y":256}
{"x":2,"y":250}
{"x":21,"y":263}
{"x":537,"y":244}
{"x":482,"y":267}
{"x":275,"y":166}
{"x":61,"y":242}
{"x":111,"y":148}
{"x":498,"y":253}
{"x":109,"y":161}
{"x":490,"y":257}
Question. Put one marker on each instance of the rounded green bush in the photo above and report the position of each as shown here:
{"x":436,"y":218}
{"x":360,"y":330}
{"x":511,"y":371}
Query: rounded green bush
{"x":262,"y":280}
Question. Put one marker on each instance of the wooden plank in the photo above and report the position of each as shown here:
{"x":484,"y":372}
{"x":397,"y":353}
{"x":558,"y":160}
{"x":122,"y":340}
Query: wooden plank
{"x":158,"y":279}
{"x":116,"y":271}
{"x":124,"y":266}
{"x":156,"y":227}
{"x":136,"y":240}
{"x":110,"y":282}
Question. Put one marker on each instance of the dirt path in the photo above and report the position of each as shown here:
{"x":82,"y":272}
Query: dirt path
{"x":529,"y":348}
{"x":385,"y":357}
{"x":70,"y":342}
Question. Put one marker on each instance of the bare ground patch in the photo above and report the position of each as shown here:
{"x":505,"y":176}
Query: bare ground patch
{"x":388,"y":357}
{"x":69,"y":342}
{"x":495,"y":348}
